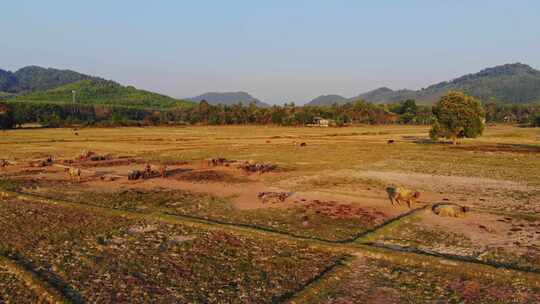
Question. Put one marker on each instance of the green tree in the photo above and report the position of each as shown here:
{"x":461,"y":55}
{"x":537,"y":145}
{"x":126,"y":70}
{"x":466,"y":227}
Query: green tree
{"x":457,"y":115}
{"x":536,"y":120}
{"x":6,"y":117}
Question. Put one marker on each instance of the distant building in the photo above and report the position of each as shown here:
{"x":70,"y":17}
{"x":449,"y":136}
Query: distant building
{"x":320,"y":122}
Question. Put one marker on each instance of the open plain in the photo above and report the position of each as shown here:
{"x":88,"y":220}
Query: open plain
{"x":255,"y":214}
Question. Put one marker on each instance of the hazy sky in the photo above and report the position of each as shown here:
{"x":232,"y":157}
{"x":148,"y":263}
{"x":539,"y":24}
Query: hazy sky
{"x":278,"y":51}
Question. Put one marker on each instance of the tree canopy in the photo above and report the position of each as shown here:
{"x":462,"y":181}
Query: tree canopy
{"x":457,"y":115}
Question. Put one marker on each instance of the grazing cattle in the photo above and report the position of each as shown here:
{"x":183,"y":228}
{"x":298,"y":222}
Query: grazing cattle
{"x":85,"y":155}
{"x":218,"y":162}
{"x":3,"y":163}
{"x":74,"y":173}
{"x":163,"y":170}
{"x":450,"y":210}
{"x":252,"y":167}
{"x":134,"y":175}
{"x":148,"y":170}
{"x":391,"y":141}
{"x":44,"y":162}
{"x":273,"y":197}
{"x":401,"y":194}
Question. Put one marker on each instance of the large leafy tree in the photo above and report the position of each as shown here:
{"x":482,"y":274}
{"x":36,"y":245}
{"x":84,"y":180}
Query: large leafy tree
{"x":457,"y":115}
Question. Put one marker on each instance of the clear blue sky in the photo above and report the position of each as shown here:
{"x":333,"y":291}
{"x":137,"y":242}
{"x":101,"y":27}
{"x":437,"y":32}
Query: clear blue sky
{"x":279,"y":51}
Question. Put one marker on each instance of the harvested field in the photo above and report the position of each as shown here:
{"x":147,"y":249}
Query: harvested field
{"x":369,"y":280}
{"x":100,"y":258}
{"x":508,"y":148}
{"x":308,"y":224}
{"x":331,"y":220}
{"x":14,"y":290}
{"x":495,"y":239}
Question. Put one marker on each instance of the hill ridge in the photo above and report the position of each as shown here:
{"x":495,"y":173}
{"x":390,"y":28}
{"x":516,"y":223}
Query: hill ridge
{"x":509,"y":83}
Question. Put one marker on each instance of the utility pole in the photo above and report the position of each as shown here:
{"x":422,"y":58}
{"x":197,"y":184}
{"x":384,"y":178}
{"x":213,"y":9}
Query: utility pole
{"x":73,"y":100}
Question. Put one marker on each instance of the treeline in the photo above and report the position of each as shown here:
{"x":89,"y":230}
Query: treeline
{"x":360,"y":112}
{"x":523,"y":114}
{"x":59,"y":115}
{"x":56,"y":115}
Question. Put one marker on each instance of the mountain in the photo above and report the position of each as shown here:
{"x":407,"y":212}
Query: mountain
{"x":228,"y":98}
{"x":328,"y":100}
{"x":509,"y":83}
{"x":384,"y":94}
{"x":7,"y":80}
{"x":512,"y":83}
{"x":34,"y":78}
{"x":102,"y":92}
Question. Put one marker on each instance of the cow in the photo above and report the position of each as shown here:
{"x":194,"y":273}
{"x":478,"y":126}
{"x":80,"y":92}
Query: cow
{"x":74,"y":173}
{"x":450,"y":210}
{"x":401,"y":194}
{"x":3,"y":163}
{"x":134,"y":175}
{"x":162,"y":170}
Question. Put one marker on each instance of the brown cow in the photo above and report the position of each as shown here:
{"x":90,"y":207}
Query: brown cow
{"x":450,"y":210}
{"x":401,"y":194}
{"x":74,"y":173}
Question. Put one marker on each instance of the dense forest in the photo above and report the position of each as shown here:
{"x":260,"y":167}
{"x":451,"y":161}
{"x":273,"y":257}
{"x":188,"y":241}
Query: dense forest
{"x":34,"y":78}
{"x":102,"y":92}
{"x":15,"y":113}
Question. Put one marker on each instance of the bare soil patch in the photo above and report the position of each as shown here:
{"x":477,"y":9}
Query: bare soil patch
{"x":210,"y":176}
{"x":487,"y":237}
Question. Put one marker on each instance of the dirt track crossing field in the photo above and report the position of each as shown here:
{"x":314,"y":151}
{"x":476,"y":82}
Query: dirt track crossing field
{"x":202,"y":234}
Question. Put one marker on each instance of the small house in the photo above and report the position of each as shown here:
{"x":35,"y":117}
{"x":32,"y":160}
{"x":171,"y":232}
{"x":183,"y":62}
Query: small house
{"x":320,"y":122}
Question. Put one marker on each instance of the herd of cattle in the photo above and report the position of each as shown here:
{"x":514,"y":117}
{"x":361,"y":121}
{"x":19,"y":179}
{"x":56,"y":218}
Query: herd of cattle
{"x":397,"y":195}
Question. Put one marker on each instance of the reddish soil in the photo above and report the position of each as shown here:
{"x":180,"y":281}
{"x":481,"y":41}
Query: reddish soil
{"x":240,"y":188}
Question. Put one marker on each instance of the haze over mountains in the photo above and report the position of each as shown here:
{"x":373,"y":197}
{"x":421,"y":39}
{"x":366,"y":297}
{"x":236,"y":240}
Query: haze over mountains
{"x":510,"y":83}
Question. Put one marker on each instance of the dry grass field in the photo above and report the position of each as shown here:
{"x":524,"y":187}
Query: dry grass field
{"x":318,"y":227}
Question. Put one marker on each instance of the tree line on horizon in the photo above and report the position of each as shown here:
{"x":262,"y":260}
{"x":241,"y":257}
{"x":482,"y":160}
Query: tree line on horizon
{"x":15,"y":114}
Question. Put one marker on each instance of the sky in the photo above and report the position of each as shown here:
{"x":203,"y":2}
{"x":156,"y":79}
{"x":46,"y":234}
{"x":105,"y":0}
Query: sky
{"x":278,"y":51}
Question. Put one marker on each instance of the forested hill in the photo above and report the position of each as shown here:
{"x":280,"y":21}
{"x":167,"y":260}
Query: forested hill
{"x":228,"y":98}
{"x":34,"y":78}
{"x":509,"y":83}
{"x":328,"y":100}
{"x":102,"y":92}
